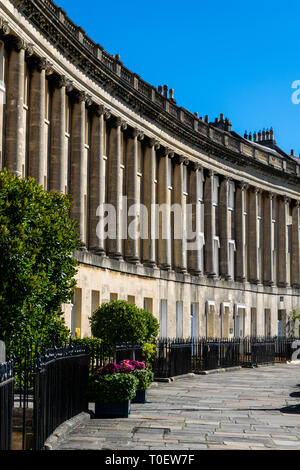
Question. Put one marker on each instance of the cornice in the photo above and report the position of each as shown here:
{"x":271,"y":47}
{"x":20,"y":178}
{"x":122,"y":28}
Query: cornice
{"x":109,"y":72}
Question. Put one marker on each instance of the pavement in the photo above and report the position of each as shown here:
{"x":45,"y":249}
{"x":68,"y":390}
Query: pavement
{"x":247,"y":409}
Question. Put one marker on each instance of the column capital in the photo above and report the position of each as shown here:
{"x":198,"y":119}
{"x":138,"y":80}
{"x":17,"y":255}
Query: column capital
{"x":119,"y":122}
{"x":98,"y":109}
{"x":60,"y":81}
{"x":18,"y":43}
{"x":242,"y":185}
{"x":269,"y":194}
{"x":283,"y":198}
{"x":182,"y":159}
{"x":42,"y":63}
{"x":225,"y":179}
{"x":136,"y":133}
{"x":255,"y":189}
{"x":167,"y":152}
{"x":81,"y":96}
{"x":210,"y":173}
{"x":195,"y":166}
{"x":296,"y":203}
{"x":4,"y":27}
{"x":107,"y":114}
{"x":152,"y":142}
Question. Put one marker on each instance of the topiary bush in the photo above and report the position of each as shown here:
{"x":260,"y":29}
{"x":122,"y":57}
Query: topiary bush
{"x":119,"y":321}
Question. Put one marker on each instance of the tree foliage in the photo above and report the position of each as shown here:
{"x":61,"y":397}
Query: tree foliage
{"x":37,"y":239}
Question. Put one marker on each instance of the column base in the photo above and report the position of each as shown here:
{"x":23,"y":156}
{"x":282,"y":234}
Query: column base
{"x":195,"y":273}
{"x":165,"y":267}
{"x":268,"y":283}
{"x":211,"y":275}
{"x":282,"y":284}
{"x":115,"y":256}
{"x":254,"y":281}
{"x":240,"y":279}
{"x":149,"y":263}
{"x":97,"y":251}
{"x":180,"y":270}
{"x":132,"y":260}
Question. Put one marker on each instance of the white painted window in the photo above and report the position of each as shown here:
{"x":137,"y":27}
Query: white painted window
{"x":216,"y":255}
{"x":194,"y":320}
{"x":185,"y":179}
{"x":201,"y":251}
{"x":179,"y":319}
{"x":200,"y":185}
{"x":163,"y":318}
{"x":170,"y":173}
{"x":232,"y":248}
{"x":215,"y":190}
{"x":231,"y":190}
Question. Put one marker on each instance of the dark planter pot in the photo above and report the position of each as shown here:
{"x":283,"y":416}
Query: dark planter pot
{"x":107,"y":410}
{"x":140,"y":397}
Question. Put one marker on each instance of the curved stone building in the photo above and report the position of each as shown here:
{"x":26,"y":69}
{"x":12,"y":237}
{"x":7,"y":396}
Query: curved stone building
{"x":213,"y":216}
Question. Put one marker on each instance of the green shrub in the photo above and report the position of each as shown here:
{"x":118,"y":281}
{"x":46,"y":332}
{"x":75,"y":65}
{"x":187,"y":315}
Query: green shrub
{"x":114,"y":388}
{"x":145,"y":378}
{"x":119,"y":321}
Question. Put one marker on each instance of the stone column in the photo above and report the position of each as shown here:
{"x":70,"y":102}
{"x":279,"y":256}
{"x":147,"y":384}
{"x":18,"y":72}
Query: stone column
{"x":194,"y":224}
{"x":296,"y":245}
{"x":36,"y":131}
{"x":239,"y":224}
{"x":180,"y":264}
{"x":223,"y":228}
{"x":78,"y":180}
{"x":14,"y":139}
{"x":267,"y":239}
{"x":253,"y":236}
{"x":209,"y":224}
{"x":114,"y":185}
{"x":164,"y":202}
{"x":283,"y":206}
{"x":97,"y":182}
{"x":149,"y":201}
{"x":58,"y":157}
{"x":131,"y":242}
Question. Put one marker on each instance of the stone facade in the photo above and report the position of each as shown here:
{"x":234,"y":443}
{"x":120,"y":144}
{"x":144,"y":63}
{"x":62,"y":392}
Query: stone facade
{"x":78,"y":121}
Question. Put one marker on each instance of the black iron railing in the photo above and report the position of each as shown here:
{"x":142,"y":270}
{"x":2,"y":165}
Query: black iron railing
{"x":6,"y":404}
{"x":181,"y":356}
{"x":60,"y":389}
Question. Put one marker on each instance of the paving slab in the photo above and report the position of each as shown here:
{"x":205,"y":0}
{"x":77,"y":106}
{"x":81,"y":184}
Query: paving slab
{"x":246,"y":409}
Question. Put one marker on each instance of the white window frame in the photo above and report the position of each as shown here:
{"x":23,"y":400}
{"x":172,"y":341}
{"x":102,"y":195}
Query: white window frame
{"x":231,"y":246}
{"x":200,"y":185}
{"x":216,"y":241}
{"x":170,"y":173}
{"x":231,"y":191}
{"x":215,"y":190}
{"x":163,"y":318}
{"x":179,"y":319}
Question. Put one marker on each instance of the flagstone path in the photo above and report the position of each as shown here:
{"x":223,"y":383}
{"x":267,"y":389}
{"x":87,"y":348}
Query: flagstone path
{"x":244,"y":409}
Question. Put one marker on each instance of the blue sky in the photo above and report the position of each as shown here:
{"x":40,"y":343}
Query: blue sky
{"x":232,"y":57}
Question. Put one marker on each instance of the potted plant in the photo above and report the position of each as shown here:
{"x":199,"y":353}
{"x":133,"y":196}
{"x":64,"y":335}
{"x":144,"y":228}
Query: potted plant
{"x":144,"y":377}
{"x":112,"y":391}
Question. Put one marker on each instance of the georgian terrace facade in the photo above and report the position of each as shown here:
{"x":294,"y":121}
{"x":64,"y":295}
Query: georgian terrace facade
{"x":78,"y":121}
